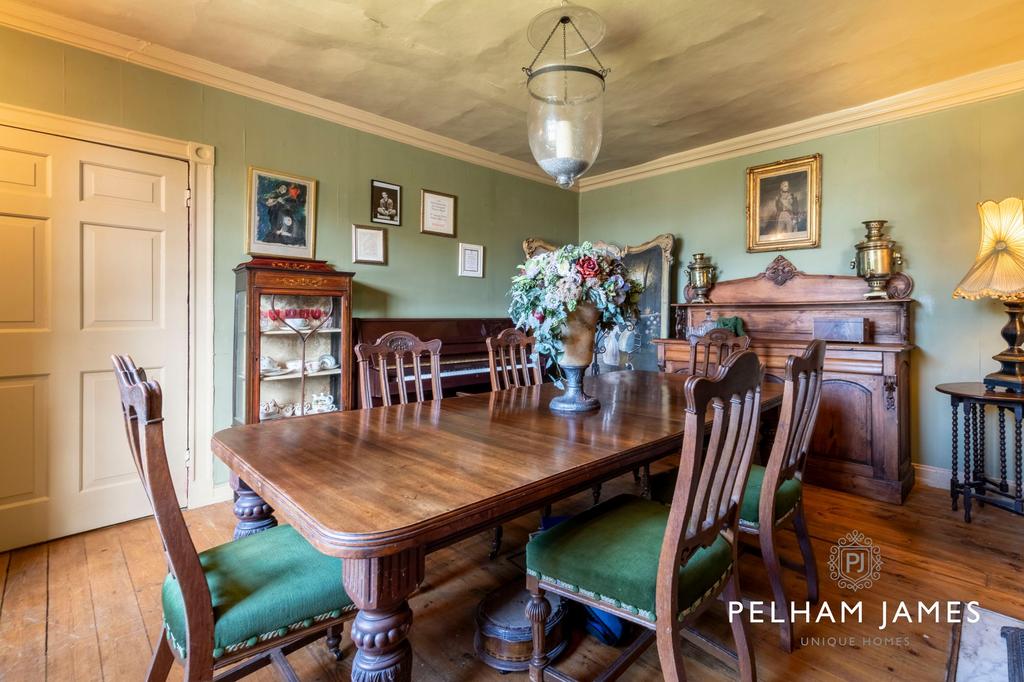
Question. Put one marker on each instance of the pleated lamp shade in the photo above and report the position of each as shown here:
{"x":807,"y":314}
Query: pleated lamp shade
{"x":998,"y":270}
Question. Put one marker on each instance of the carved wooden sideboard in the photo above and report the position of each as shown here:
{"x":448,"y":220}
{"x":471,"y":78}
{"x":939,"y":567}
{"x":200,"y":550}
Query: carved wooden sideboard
{"x":862,"y":440}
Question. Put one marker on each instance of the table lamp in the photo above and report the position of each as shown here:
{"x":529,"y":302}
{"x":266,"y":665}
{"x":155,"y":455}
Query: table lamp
{"x":998,"y":272}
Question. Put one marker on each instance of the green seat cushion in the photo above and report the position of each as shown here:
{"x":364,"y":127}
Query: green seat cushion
{"x":663,"y":485}
{"x":261,"y":586}
{"x":785,"y":498}
{"x":610,"y":552}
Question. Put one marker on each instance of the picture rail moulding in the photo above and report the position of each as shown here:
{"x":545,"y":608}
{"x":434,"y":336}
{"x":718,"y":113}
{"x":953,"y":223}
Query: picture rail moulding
{"x":975,"y":87}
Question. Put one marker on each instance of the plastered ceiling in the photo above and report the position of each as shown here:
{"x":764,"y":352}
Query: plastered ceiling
{"x":685,"y":73}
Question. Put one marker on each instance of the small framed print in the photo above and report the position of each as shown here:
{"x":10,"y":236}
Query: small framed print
{"x":281,"y":215}
{"x":438,"y":213}
{"x":471,"y":260}
{"x":369,"y":245}
{"x":784,"y":205}
{"x":385,"y":203}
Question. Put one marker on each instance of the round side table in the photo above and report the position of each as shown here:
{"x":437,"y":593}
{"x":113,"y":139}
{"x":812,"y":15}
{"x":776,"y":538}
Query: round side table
{"x":969,"y":479}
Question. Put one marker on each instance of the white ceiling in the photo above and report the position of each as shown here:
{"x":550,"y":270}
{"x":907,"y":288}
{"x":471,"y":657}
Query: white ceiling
{"x":685,"y":73}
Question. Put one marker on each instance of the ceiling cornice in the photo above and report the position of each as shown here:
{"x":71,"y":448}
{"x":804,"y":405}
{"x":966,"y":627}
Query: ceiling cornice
{"x":89,"y":37}
{"x":975,"y":87}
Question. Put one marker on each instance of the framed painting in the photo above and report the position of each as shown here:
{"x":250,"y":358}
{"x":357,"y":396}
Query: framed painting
{"x":784,"y":205}
{"x":385,"y":203}
{"x":632,"y":346}
{"x":281,"y":215}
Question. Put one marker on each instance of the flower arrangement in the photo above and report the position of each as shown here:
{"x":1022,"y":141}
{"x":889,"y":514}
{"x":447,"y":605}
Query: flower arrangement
{"x":553,"y":284}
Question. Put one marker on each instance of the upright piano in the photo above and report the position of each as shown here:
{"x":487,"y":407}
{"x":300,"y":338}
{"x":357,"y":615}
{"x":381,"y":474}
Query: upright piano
{"x":463,"y":346}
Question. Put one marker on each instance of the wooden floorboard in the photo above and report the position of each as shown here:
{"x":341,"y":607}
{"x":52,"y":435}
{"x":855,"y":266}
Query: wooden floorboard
{"x":88,"y":607}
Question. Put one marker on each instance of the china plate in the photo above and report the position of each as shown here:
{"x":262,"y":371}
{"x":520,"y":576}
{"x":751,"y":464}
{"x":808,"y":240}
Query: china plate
{"x":274,"y":372}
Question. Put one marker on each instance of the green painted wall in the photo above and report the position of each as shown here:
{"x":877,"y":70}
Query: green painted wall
{"x":495,"y":209}
{"x":924,"y":175}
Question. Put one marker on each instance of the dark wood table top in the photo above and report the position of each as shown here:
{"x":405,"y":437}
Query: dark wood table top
{"x":976,"y":390}
{"x":372,"y":482}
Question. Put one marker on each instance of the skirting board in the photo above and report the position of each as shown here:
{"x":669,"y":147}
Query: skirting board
{"x":936,"y":477}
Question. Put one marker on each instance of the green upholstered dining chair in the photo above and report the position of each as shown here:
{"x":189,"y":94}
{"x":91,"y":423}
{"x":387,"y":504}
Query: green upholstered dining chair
{"x":655,"y":565}
{"x":237,"y":607}
{"x":774,"y":495}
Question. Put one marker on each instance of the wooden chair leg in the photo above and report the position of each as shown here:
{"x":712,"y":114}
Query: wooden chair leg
{"x":163,"y":659}
{"x":537,"y":611}
{"x":770,"y":557}
{"x":807,"y":550}
{"x":334,"y":634}
{"x":499,"y":532}
{"x":744,"y":647}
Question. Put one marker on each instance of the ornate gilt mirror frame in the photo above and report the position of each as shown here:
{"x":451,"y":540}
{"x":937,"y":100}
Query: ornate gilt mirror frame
{"x":664,"y":242}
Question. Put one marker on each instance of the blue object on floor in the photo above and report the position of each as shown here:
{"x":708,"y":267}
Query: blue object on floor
{"x":608,"y":629}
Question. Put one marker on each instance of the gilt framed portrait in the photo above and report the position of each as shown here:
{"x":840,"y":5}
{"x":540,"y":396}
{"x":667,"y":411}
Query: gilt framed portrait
{"x":784,"y":205}
{"x":385,"y":203}
{"x":281,"y":216}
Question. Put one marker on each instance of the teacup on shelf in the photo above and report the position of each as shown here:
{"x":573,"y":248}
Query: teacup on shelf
{"x":294,"y":365}
{"x":312,"y":366}
{"x":269,"y":410}
{"x":328,"y":361}
{"x":268,"y":364}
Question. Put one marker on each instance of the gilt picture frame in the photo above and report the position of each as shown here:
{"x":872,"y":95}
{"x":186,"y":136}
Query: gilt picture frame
{"x":280,"y":214}
{"x":784,"y":205}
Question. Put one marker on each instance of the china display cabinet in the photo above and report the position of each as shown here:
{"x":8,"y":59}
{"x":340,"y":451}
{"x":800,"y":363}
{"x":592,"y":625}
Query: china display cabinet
{"x":293,"y":352}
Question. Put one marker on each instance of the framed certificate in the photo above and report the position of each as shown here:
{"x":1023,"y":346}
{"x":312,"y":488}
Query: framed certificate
{"x":471,"y":260}
{"x":438,"y":213}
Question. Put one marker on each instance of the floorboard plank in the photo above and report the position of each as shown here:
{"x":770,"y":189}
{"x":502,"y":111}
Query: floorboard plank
{"x":72,"y":644}
{"x":23,"y":617}
{"x":124,"y":646}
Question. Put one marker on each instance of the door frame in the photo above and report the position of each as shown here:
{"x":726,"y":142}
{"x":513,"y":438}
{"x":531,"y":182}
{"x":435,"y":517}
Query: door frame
{"x":200,"y":157}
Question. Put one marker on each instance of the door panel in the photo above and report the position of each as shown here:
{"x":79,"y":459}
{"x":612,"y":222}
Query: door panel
{"x":93,"y":261}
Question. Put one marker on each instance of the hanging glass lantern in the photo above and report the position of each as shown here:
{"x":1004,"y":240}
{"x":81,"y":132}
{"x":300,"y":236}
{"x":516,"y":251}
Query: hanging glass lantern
{"x":565,"y":120}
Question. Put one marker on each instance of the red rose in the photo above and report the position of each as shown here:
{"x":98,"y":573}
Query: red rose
{"x":539,"y":316}
{"x":587,"y":267}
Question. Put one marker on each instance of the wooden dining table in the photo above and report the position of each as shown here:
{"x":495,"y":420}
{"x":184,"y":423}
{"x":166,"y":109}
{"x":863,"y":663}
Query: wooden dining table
{"x":383,"y":487}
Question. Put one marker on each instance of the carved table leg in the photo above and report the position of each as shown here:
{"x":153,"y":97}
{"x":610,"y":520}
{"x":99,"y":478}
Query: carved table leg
{"x":380,"y":587}
{"x":253,"y":514}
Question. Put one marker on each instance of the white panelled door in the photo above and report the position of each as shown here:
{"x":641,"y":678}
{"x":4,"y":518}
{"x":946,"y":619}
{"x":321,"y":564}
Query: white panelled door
{"x":93,"y":261}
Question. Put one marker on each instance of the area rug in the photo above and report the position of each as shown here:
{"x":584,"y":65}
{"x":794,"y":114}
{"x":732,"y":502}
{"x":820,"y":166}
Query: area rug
{"x":991,"y":650}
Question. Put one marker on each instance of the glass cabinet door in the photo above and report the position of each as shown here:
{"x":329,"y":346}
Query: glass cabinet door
{"x":299,"y":363}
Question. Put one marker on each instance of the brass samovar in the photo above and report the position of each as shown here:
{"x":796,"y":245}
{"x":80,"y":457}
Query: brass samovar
{"x":876,"y":259}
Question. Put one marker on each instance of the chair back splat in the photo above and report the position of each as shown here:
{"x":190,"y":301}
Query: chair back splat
{"x":397,"y":360}
{"x":508,"y":355}
{"x":710,"y":350}
{"x":142,"y":405}
{"x":711,"y":481}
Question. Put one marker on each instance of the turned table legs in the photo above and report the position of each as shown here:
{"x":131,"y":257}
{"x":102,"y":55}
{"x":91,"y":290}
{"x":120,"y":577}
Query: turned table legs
{"x":253,"y":514}
{"x":380,"y":587}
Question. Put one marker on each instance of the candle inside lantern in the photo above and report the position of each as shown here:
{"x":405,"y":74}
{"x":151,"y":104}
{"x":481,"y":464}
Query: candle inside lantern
{"x":563,"y":139}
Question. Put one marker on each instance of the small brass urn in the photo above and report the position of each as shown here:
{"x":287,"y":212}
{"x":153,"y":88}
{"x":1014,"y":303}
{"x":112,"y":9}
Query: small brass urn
{"x":876,"y":259}
{"x":702,"y":276}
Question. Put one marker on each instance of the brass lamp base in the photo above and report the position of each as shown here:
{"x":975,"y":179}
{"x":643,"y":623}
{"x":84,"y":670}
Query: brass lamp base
{"x":1011,"y":361}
